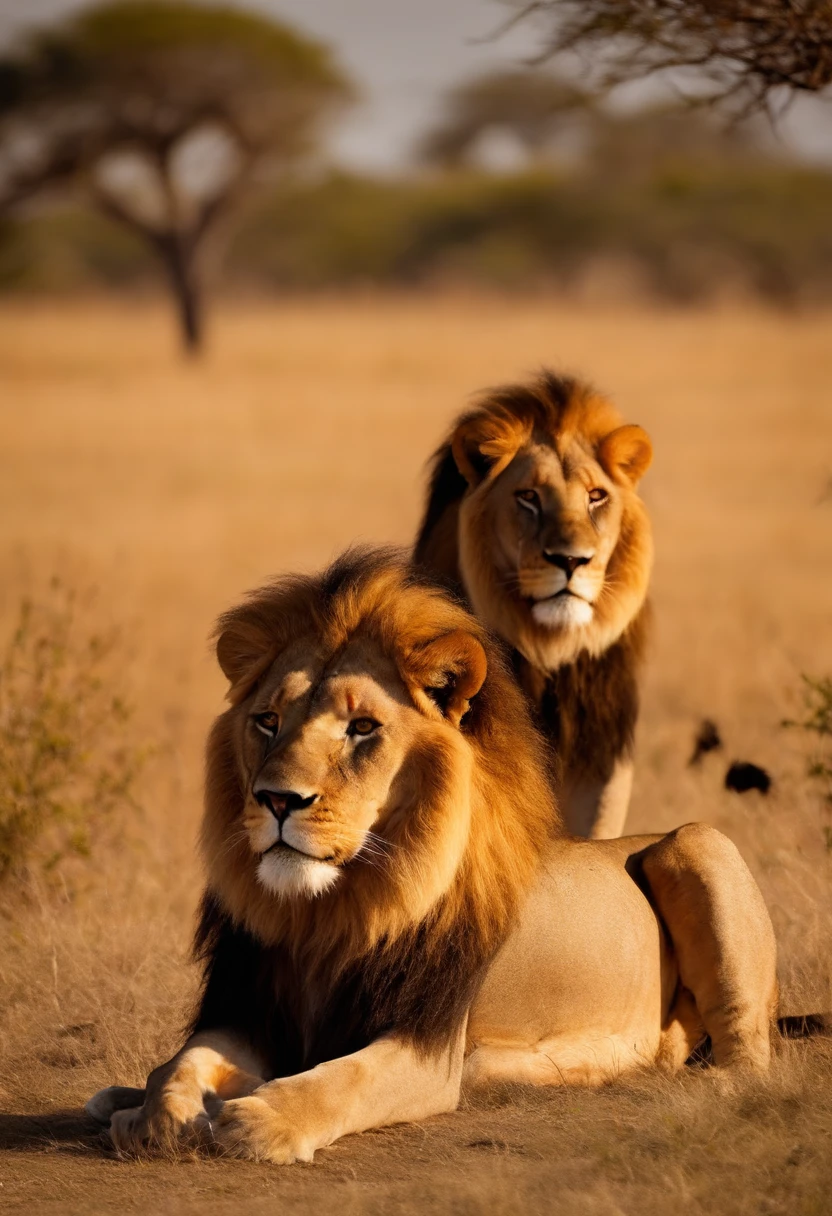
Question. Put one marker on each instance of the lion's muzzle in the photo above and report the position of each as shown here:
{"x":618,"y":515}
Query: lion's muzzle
{"x":282,"y":803}
{"x":568,"y":562}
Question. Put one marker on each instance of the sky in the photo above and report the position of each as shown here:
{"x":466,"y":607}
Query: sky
{"x":404,"y":55}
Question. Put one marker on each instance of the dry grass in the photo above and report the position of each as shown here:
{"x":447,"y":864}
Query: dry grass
{"x":172,"y":487}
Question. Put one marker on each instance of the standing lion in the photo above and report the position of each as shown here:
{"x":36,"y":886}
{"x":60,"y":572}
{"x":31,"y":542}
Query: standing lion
{"x":533,"y":511}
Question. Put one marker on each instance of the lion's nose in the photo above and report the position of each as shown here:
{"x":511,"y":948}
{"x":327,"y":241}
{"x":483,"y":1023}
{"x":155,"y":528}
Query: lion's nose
{"x":567,"y":562}
{"x":281,"y":803}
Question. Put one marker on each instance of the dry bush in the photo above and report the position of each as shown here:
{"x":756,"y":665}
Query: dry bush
{"x":66,"y":762}
{"x":817,"y":723}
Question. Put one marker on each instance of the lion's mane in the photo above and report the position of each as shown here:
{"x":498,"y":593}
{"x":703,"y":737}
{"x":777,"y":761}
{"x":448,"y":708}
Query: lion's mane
{"x":310,"y":979}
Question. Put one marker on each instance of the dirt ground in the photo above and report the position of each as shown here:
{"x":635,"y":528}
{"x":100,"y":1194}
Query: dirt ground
{"x":171,"y":487}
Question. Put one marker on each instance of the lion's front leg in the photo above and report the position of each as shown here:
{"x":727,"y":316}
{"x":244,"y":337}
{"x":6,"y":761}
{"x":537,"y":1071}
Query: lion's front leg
{"x":387,"y":1082}
{"x":209,"y":1069}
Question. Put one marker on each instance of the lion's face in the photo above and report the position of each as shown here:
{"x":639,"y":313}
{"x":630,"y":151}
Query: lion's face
{"x":331,"y":744}
{"x":322,"y":746}
{"x":555,"y":522}
{"x":554,"y":543}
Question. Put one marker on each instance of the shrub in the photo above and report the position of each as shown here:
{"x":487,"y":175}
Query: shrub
{"x":818,"y":722}
{"x":65,"y":763}
{"x":690,"y":231}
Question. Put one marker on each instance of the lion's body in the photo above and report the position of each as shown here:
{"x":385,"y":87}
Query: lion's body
{"x":582,"y":987}
{"x":588,"y":986}
{"x":578,"y":637}
{"x":428,"y":923}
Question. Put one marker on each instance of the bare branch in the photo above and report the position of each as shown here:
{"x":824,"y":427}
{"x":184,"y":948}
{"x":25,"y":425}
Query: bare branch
{"x":749,"y":49}
{"x":116,"y":210}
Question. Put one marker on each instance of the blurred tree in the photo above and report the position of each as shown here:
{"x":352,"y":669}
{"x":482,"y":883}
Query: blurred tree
{"x":533,"y":107}
{"x":750,"y":49}
{"x":165,"y":112}
{"x":636,"y":145}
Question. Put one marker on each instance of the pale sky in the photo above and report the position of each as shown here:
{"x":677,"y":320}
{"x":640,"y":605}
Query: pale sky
{"x":404,"y":54}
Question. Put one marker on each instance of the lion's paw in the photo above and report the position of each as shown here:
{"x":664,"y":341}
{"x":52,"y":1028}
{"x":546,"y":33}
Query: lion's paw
{"x":130,"y":1130}
{"x":167,"y":1126}
{"x":250,"y":1127}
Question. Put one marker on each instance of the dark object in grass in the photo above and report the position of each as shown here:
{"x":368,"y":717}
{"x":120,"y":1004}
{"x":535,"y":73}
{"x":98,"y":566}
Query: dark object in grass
{"x":794,"y":1026}
{"x":708,"y":739}
{"x":805,"y":1025}
{"x":743,"y":776}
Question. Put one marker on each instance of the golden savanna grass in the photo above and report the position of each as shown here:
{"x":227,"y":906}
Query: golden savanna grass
{"x":171,"y":487}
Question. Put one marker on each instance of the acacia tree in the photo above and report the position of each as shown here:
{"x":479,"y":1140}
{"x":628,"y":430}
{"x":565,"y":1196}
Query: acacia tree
{"x":751,"y":50}
{"x":164,"y":112}
{"x":533,"y":105}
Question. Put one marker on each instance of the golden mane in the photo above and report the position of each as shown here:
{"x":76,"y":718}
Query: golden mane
{"x":373,"y":944}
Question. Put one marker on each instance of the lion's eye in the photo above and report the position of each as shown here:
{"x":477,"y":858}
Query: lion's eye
{"x":362,"y":726}
{"x":528,"y":499}
{"x":598,"y":495}
{"x":268,"y":724}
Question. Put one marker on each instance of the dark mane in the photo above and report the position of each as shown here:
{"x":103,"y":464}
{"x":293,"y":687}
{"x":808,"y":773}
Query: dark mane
{"x":446,"y":486}
{"x":296,"y":1019}
{"x":594,"y":698}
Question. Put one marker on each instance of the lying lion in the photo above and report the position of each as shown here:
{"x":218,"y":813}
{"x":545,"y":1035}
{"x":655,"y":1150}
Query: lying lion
{"x":390,"y":913}
{"x":533,"y":512}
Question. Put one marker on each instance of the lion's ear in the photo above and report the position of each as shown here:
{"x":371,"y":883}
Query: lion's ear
{"x":244,"y":650}
{"x":483,"y":445}
{"x":449,"y":672}
{"x":626,"y":452}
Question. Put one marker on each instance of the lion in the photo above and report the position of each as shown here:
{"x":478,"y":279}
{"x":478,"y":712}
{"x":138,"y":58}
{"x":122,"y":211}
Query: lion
{"x":393,"y":909}
{"x":533,"y":512}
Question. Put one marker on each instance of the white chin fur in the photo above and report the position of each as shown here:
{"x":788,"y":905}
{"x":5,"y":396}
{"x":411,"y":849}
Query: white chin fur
{"x":562,"y":611}
{"x":291,"y":874}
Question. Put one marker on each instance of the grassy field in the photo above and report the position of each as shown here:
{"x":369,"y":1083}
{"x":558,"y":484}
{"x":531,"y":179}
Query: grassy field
{"x":169,"y":488}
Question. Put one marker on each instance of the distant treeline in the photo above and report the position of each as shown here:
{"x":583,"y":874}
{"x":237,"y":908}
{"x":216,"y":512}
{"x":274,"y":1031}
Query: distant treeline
{"x":685,"y":233}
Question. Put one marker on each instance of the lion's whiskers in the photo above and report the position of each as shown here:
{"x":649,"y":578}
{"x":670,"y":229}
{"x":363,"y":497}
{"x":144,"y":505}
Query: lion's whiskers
{"x":381,"y":840}
{"x":512,"y":581}
{"x":375,"y":849}
{"x":233,"y":840}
